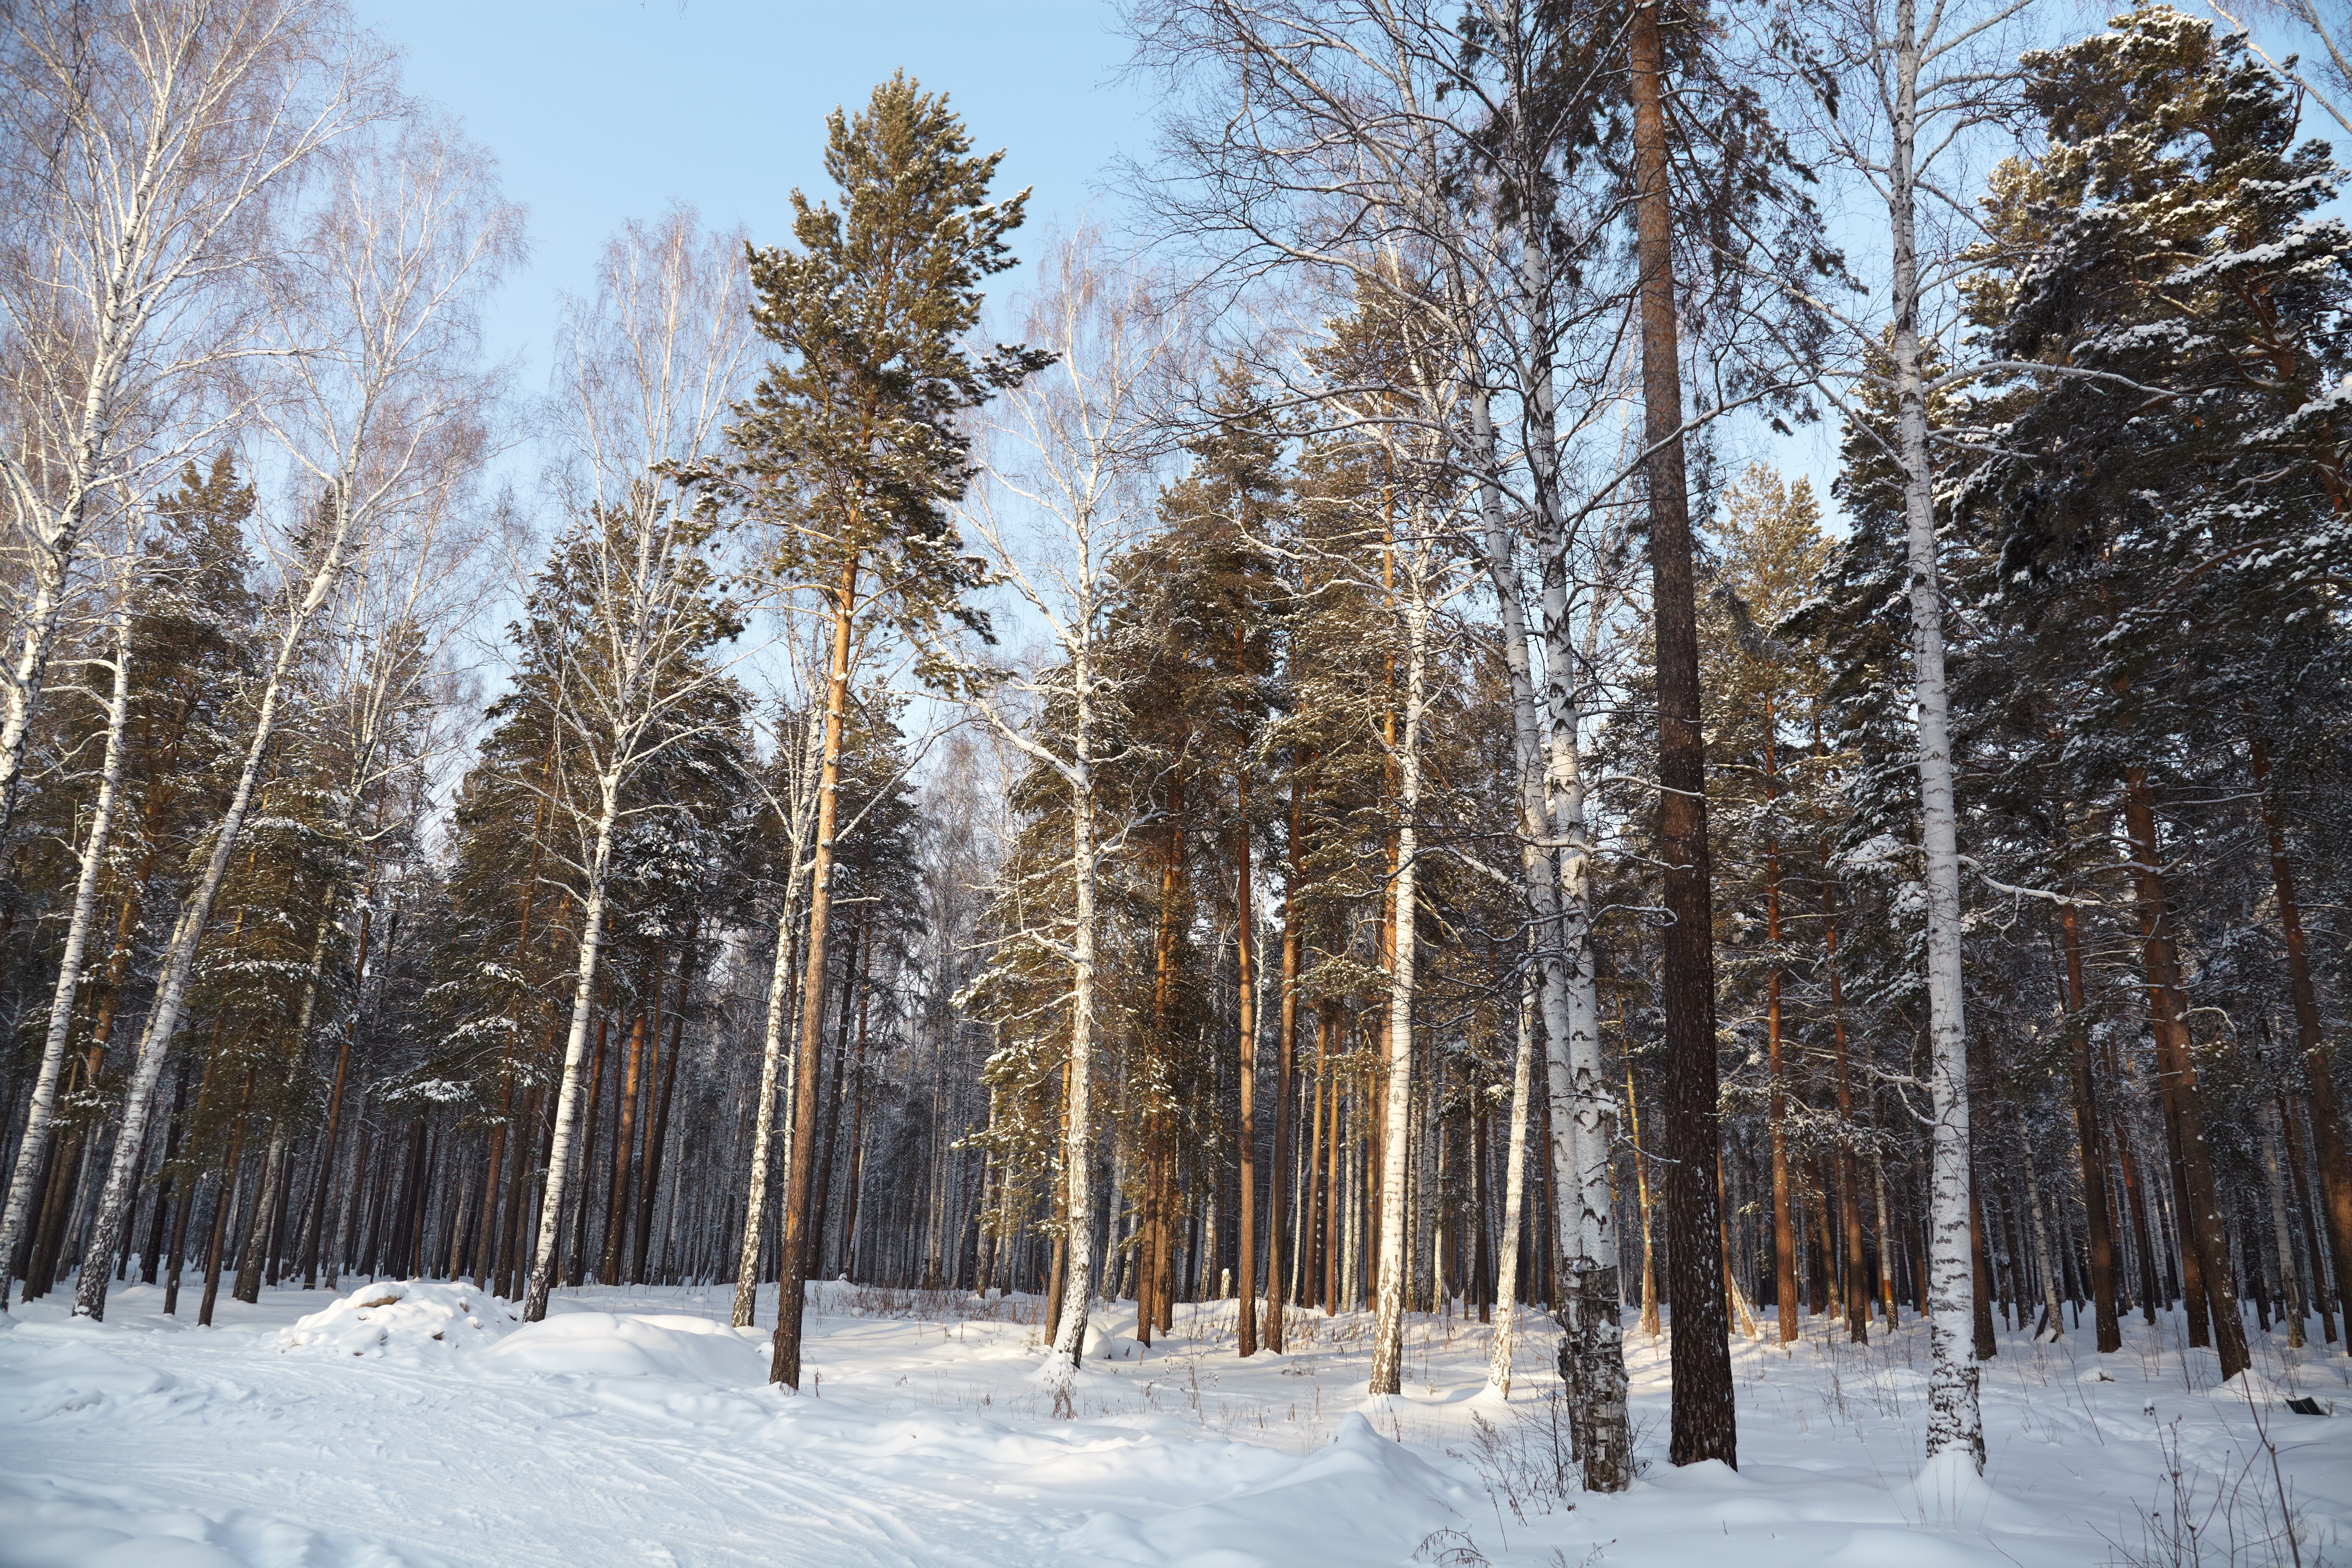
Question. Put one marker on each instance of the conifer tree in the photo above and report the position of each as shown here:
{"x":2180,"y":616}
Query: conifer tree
{"x":851,"y":446}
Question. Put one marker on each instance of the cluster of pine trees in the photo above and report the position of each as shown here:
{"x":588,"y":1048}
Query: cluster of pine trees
{"x":1321,"y":778}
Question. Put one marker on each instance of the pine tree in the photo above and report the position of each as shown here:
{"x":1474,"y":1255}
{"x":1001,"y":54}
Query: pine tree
{"x":851,"y":446}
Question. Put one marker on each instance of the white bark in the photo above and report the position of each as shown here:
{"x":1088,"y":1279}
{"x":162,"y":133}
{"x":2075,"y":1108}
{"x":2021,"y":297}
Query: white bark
{"x":1954,"y":1423}
{"x":575,"y":1050}
{"x":1515,"y":1167}
{"x":40,"y":1114}
{"x":139,"y":139}
{"x":2282,"y":1231}
{"x":1388,"y":1308}
{"x":653,"y":361}
{"x":1074,"y":444}
{"x":2042,"y":1260}
{"x":373,"y":314}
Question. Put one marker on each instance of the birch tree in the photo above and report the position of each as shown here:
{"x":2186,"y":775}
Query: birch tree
{"x":1067,"y":485}
{"x":378,"y":412}
{"x":40,"y":1109}
{"x":1926,"y":78}
{"x":145,"y":146}
{"x":650,"y":366}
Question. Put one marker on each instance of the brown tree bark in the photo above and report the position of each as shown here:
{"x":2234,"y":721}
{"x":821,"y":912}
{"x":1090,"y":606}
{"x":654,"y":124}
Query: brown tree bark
{"x":2135,"y":1203}
{"x":2101,"y":1233}
{"x":230,"y":1164}
{"x":791,"y":1289}
{"x":2201,"y":1222}
{"x":1853,"y":1270}
{"x":2326,"y":1121}
{"x":1245,"y":1146}
{"x":1704,"y":1424}
{"x":617,"y":1201}
{"x":1986,"y":1346}
{"x":658,"y":1132}
{"x":576,"y":1264}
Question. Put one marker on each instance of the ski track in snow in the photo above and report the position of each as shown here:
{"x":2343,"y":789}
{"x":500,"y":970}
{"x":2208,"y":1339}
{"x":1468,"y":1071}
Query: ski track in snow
{"x":635,"y":1427}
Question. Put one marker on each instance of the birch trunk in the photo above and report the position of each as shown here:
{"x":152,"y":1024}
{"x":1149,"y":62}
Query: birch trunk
{"x":41,"y":1110}
{"x":1387,"y":1319}
{"x":1515,"y":1167}
{"x":1077,"y":1137}
{"x":575,"y":1046}
{"x":2282,"y":1234}
{"x":2042,"y":1260}
{"x":1954,"y":1423}
{"x":187,"y":933}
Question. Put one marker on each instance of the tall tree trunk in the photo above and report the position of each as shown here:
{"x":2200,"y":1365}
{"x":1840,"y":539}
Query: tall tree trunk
{"x":1955,"y":1422}
{"x":2089,"y":1139}
{"x":784,"y":1365}
{"x":1515,"y":1183}
{"x":2202,"y":1223}
{"x":658,"y":1133}
{"x":41,"y":1109}
{"x":772,"y":1068}
{"x":1551,"y":814}
{"x":1857,"y":1292}
{"x":174,"y":1125}
{"x":617,"y":1201}
{"x":1246,"y":1144}
{"x":1284,"y":1189}
{"x":2326,"y":1121}
{"x":2281,"y":1230}
{"x":253,"y":1246}
{"x":2313,"y":1249}
{"x":1388,"y":1320}
{"x":1784,"y":1233}
{"x":1703,"y":1423}
{"x":232,"y":1166}
{"x":560,"y":1156}
{"x":2136,"y":1202}
{"x":1641,"y":1196}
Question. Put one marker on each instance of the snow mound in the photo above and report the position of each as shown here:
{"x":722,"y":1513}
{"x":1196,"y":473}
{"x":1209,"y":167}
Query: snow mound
{"x":636,"y":1345}
{"x":1361,"y":1498}
{"x":1950,"y":1494}
{"x":408,"y":1316}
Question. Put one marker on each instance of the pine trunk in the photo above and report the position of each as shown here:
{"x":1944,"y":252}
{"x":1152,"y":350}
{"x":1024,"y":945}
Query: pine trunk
{"x":2326,"y":1121}
{"x":784,"y":1366}
{"x":1703,"y":1423}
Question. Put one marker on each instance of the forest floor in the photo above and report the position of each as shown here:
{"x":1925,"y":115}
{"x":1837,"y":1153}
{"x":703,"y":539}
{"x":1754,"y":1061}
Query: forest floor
{"x":634,"y":1427}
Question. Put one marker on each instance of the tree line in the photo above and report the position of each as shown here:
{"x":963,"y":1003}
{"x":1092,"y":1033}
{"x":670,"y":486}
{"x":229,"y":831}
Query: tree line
{"x":1327,"y":775}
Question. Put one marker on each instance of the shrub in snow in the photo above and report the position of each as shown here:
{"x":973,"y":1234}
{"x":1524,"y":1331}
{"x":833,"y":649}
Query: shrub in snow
{"x":412,"y":1315}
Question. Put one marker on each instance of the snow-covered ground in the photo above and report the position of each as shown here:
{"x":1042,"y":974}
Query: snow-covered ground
{"x":634,"y":1426}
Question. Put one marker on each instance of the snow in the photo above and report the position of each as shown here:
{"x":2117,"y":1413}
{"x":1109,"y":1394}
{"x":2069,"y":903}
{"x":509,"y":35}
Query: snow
{"x":637,"y":1427}
{"x":403,"y":1317}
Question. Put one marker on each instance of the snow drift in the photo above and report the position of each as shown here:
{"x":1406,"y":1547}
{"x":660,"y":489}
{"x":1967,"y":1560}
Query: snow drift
{"x":402,"y":1317}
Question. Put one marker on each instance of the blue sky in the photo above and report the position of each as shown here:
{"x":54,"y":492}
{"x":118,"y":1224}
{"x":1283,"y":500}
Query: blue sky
{"x":601,"y":110}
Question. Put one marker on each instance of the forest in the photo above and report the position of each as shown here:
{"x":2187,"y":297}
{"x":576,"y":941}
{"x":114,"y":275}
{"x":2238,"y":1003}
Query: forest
{"x":1610,"y":669}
